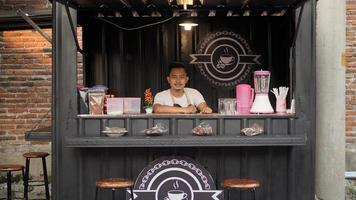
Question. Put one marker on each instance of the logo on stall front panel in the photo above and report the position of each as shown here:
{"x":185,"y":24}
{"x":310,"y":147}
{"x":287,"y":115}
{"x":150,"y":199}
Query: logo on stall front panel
{"x":224,"y":58}
{"x":175,"y":178}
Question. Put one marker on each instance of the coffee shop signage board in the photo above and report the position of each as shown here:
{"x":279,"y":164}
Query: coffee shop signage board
{"x":224,"y":58}
{"x":175,"y":178}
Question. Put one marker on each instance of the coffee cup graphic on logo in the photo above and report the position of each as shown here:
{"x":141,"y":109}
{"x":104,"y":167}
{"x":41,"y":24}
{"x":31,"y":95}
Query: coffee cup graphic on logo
{"x":227,"y":59}
{"x":177,"y":195}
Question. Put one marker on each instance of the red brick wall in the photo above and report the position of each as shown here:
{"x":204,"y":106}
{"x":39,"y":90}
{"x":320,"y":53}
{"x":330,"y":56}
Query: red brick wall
{"x":26,"y":76}
{"x":350,"y":82}
{"x":25,"y":80}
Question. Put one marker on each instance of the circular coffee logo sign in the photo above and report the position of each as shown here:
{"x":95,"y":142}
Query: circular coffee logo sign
{"x":175,"y":178}
{"x":224,"y":58}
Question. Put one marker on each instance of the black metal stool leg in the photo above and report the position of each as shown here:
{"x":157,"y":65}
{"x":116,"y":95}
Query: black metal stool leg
{"x":254,"y":194}
{"x":113,"y":194}
{"x":8,"y":180}
{"x":96,"y":193}
{"x":23,"y":179}
{"x":132,"y":194}
{"x":27,"y":172}
{"x":45,"y":177}
{"x":225,"y":193}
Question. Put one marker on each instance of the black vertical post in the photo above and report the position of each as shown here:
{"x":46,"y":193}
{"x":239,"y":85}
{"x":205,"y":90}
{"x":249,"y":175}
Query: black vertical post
{"x":27,"y":172}
{"x":132,"y":194}
{"x":9,"y":185}
{"x":23,"y":178}
{"x":45,"y":177}
{"x":269,"y":46}
{"x":64,"y":106}
{"x":113,"y":194}
{"x":96,"y":193}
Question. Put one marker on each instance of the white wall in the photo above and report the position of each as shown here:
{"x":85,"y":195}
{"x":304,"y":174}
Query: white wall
{"x":330,"y":105}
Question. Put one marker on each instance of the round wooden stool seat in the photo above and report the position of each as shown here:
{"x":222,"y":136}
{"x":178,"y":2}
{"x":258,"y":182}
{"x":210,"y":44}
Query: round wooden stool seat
{"x":240,"y":183}
{"x":35,"y":154}
{"x":9,"y":167}
{"x":114,"y":183}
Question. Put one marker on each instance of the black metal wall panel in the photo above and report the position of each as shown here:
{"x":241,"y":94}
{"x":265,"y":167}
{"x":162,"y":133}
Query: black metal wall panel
{"x":64,"y":162}
{"x":304,"y":157}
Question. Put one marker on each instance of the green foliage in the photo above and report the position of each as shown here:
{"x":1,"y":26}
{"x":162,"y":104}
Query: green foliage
{"x":17,"y":178}
{"x":14,"y":179}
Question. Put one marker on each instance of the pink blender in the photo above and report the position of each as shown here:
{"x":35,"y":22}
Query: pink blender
{"x":261,"y":103}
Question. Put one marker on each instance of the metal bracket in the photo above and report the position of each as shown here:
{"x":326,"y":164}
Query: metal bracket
{"x":73,"y":30}
{"x":33,"y":24}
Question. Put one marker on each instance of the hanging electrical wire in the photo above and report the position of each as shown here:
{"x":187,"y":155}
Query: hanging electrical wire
{"x":135,"y":28}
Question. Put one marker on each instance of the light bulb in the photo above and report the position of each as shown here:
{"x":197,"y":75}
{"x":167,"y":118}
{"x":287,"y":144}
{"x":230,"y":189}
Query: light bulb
{"x":187,"y":27}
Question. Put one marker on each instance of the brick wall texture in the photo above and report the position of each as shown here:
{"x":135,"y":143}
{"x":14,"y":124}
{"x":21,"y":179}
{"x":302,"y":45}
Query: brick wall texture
{"x":25,"y":80}
{"x":350,"y":76}
{"x":25,"y":77}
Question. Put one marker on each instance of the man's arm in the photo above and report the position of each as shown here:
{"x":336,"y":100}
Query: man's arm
{"x":158,"y":108}
{"x":204,"y":108}
{"x":199,"y":99}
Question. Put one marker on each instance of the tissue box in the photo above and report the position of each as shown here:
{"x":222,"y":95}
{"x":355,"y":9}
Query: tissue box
{"x":115,"y":106}
{"x":132,"y":105}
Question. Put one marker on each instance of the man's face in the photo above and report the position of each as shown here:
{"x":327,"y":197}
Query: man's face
{"x":177,"y":78}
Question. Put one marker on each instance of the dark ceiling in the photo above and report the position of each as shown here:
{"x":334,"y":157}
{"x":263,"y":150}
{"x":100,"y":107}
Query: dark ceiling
{"x":172,"y":4}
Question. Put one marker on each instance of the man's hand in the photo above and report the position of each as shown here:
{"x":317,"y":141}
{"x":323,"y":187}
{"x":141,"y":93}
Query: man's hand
{"x":206,"y":110}
{"x":190,"y":109}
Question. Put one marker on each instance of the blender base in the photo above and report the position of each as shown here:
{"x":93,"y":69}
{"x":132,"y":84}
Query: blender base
{"x":261,"y":104}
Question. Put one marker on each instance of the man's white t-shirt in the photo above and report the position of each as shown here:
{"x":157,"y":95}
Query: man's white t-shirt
{"x":190,"y":96}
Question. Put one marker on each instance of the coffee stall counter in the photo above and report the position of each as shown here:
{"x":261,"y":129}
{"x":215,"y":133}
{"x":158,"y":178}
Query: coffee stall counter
{"x":213,"y":115}
{"x":278,"y":130}
{"x":185,"y":141}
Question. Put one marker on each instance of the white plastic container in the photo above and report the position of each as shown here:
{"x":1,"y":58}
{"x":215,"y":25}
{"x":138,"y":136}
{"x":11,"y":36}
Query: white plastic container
{"x":115,"y":106}
{"x":132,"y":105}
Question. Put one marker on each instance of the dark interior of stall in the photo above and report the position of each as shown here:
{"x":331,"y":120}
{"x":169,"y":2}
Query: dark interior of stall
{"x":129,"y":61}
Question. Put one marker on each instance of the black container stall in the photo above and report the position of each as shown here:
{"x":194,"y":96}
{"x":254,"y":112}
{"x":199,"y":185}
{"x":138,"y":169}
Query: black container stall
{"x":129,"y":61}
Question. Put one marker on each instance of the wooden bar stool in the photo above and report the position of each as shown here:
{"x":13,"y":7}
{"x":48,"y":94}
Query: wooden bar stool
{"x":245,"y":184}
{"x":28,"y":157}
{"x":8,"y":168}
{"x":113,"y":184}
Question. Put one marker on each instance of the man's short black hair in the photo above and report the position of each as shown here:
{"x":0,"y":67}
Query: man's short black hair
{"x":177,"y":65}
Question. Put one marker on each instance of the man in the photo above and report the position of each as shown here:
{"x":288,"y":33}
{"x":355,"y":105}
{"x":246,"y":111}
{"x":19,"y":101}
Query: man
{"x":179,"y":99}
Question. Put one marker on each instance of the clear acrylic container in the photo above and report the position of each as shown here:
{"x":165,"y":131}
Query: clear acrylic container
{"x":132,"y":105}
